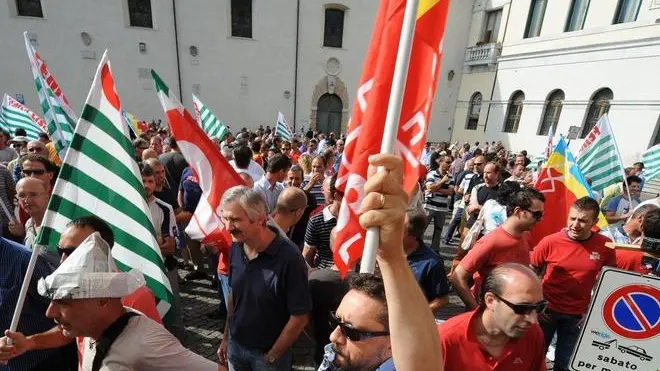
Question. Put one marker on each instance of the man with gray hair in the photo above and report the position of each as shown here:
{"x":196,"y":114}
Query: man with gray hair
{"x":269,"y":299}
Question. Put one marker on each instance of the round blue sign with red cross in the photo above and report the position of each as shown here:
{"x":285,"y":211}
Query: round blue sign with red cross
{"x":633,"y":311}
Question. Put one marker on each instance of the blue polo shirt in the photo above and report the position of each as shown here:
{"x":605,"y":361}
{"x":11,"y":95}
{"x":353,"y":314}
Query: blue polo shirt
{"x":266,"y":290}
{"x":429,"y":270}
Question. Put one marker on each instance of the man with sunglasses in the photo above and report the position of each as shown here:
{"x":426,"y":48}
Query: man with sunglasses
{"x":502,"y":334}
{"x":571,"y":260}
{"x":507,"y":243}
{"x":39,"y":167}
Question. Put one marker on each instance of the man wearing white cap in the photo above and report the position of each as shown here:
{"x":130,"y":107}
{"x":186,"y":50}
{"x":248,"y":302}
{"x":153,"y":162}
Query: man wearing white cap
{"x":86,"y":292}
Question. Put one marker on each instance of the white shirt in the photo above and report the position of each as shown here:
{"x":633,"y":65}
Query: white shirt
{"x":271,"y":193}
{"x":162,"y":217}
{"x":255,"y":171}
{"x":145,"y":345}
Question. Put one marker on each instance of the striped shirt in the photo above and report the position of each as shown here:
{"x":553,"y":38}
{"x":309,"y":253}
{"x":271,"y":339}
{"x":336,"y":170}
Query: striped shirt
{"x":316,"y":191}
{"x":435,"y":200}
{"x":318,"y":236}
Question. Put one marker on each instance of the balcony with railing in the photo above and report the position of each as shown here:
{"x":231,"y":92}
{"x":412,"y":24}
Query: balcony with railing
{"x":485,"y":54}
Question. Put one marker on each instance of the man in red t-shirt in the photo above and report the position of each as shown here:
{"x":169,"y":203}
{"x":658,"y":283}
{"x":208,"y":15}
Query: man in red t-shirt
{"x":572,"y":258}
{"x":503,"y":333}
{"x":506,"y":244}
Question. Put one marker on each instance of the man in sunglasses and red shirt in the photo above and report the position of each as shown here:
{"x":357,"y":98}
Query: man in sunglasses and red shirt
{"x":503,"y":333}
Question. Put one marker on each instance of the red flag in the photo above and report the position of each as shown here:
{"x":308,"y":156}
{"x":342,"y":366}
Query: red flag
{"x":370,"y":110}
{"x":214,"y":173}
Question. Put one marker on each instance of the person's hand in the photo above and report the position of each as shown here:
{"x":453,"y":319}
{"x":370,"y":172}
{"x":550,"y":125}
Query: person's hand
{"x":20,"y":344}
{"x":222,"y":351}
{"x":316,"y":178}
{"x":15,"y":228}
{"x":385,"y":203}
{"x":445,"y":179}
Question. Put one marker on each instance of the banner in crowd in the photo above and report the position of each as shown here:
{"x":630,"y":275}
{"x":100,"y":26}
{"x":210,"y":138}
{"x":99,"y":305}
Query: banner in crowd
{"x":370,"y":110}
{"x":136,"y":126}
{"x":282,"y":129}
{"x":651,"y":160}
{"x":215,"y":175}
{"x":99,"y":176}
{"x":58,"y":114}
{"x":599,"y":157}
{"x":16,"y":116}
{"x":213,"y":127}
{"x":562,"y":183}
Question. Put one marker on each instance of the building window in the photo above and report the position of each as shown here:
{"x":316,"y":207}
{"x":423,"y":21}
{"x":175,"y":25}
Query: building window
{"x":627,"y":11}
{"x":328,"y":114}
{"x":29,"y":8}
{"x":514,"y":112}
{"x":241,"y":18}
{"x":139,"y":13}
{"x":492,"y":28}
{"x":598,"y":106}
{"x":473,"y":112}
{"x":577,"y":15}
{"x":334,"y":28}
{"x":551,"y":112}
{"x":535,"y":18}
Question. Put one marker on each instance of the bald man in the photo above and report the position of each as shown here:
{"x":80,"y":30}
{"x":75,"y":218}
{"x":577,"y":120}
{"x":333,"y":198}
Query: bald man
{"x":149,"y":154}
{"x":33,"y":196}
{"x":290,"y":207}
{"x":503,"y":333}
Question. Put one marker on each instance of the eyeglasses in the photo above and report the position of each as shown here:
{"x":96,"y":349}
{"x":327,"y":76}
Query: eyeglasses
{"x":538,"y":214}
{"x":352,"y":333}
{"x":65,"y":250}
{"x":30,"y":172}
{"x":521,"y":309}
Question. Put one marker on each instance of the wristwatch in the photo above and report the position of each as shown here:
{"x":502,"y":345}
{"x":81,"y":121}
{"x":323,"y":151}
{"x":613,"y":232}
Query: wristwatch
{"x":270,"y":359}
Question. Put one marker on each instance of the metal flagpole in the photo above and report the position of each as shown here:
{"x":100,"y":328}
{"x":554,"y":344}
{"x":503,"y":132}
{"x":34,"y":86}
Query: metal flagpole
{"x":24,"y":289}
{"x":371,"y":242}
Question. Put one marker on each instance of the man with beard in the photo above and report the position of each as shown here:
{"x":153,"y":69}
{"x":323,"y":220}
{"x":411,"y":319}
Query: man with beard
{"x":503,"y":333}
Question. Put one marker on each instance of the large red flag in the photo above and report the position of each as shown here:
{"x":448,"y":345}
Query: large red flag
{"x":214,"y":173}
{"x":370,"y":110}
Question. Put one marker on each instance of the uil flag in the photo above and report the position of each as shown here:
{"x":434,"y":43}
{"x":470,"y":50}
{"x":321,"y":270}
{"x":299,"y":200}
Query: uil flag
{"x":370,"y":110}
{"x":561,"y":182}
{"x":282,"y":128}
{"x":599,"y":157}
{"x":214,"y":173}
{"x":99,"y":176}
{"x":17,"y":116}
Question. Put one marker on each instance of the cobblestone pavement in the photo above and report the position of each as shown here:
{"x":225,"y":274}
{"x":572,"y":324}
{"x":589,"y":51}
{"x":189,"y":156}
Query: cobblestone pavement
{"x":203,"y":335}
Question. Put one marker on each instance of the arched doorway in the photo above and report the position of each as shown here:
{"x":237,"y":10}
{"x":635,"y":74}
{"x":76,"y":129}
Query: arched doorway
{"x":328,"y":114}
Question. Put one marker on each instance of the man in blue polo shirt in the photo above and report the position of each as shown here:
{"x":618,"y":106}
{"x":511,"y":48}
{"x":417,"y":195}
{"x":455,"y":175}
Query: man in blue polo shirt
{"x":426,"y":264}
{"x":269,"y":301}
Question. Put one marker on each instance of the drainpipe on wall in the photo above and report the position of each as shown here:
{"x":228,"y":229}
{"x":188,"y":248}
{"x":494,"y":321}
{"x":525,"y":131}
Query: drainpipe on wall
{"x":295,"y":67}
{"x":176,"y":46}
{"x":497,"y":69}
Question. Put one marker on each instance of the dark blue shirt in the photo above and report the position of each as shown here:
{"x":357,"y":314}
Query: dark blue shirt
{"x":266,"y":291}
{"x":14,"y":259}
{"x":191,"y":190}
{"x":429,"y":270}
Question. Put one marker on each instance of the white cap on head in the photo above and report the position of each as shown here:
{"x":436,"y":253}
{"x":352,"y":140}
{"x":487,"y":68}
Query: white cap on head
{"x":90,"y":272}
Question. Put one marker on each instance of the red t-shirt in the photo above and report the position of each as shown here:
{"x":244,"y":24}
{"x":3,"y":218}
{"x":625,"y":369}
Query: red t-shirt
{"x":462,"y":351}
{"x":493,"y":249}
{"x":571,"y":269}
{"x":630,"y":261}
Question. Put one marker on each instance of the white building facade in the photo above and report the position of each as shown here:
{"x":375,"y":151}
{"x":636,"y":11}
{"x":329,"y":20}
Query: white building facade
{"x":561,"y":63}
{"x":245,"y":59}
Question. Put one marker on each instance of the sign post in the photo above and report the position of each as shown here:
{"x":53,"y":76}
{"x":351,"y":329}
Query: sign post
{"x":622,"y":329}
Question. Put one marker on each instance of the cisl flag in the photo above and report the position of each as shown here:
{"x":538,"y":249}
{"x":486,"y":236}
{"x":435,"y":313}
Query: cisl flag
{"x":370,"y":110}
{"x":214,"y":173}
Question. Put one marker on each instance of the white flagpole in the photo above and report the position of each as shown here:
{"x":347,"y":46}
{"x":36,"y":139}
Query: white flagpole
{"x":371,"y":241}
{"x":24,"y":289}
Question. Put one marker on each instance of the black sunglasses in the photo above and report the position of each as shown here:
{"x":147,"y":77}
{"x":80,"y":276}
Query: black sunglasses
{"x":538,"y":215}
{"x":352,"y":333}
{"x":30,"y":172}
{"x":521,"y":309}
{"x":65,"y":250}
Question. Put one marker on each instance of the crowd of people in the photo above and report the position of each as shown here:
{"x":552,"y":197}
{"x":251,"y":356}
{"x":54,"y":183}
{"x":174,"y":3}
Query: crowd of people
{"x":277,"y":280}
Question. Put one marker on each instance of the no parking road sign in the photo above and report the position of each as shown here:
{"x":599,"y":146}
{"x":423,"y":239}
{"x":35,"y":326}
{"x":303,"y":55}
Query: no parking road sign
{"x":622,"y":330}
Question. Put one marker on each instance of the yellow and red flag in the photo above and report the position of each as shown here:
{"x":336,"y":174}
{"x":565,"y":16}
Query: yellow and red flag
{"x":370,"y":110}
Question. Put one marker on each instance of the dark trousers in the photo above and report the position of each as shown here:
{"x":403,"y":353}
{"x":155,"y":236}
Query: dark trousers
{"x":453,"y":225}
{"x":438,"y":218}
{"x":566,"y":327}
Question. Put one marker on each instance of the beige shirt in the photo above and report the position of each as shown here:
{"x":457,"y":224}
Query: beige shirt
{"x":145,"y":345}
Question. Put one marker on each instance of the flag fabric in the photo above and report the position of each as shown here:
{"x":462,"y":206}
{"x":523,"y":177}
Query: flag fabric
{"x":370,"y":109}
{"x":213,"y":127}
{"x":562,"y":183}
{"x":58,"y":114}
{"x":282,"y":129}
{"x":16,"y":116}
{"x":651,"y":160}
{"x":214,"y":173}
{"x":99,"y":176}
{"x":136,"y":126}
{"x":599,"y":157}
